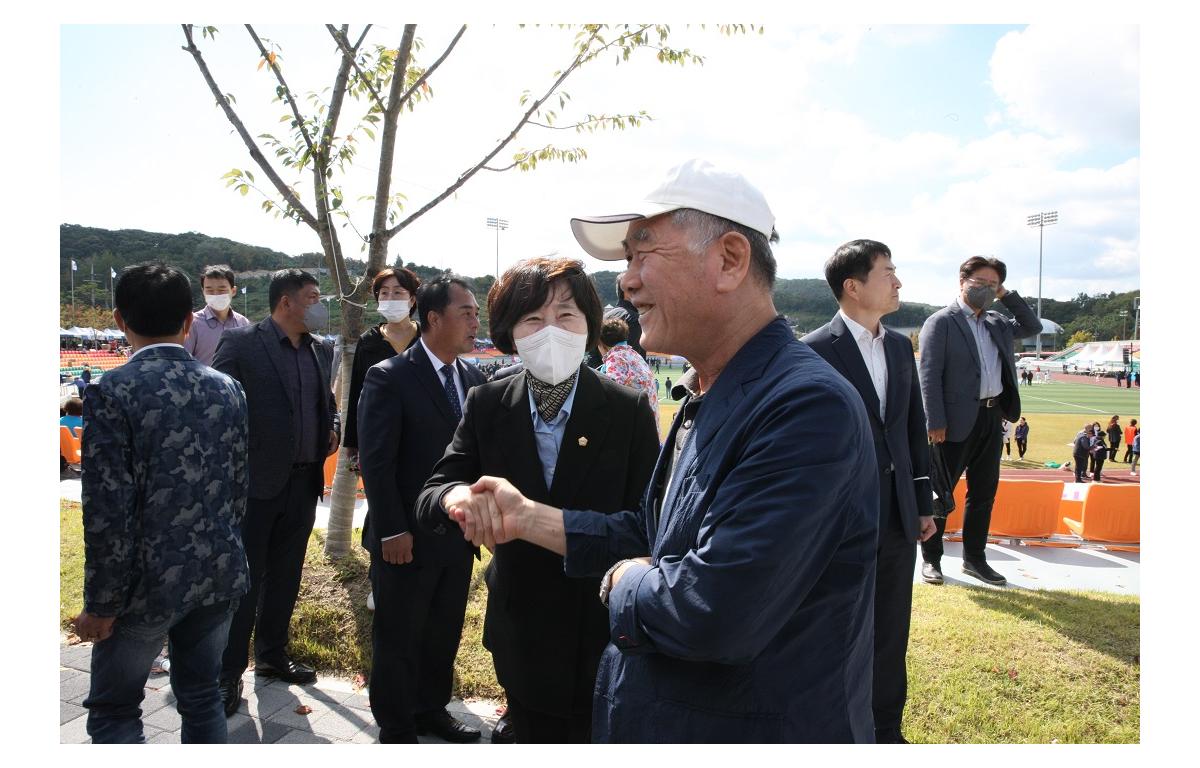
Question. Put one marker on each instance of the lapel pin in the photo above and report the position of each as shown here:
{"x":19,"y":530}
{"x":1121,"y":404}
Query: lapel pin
{"x":583,"y":442}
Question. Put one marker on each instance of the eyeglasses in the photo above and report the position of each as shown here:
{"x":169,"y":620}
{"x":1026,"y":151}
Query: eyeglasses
{"x":978,"y":281}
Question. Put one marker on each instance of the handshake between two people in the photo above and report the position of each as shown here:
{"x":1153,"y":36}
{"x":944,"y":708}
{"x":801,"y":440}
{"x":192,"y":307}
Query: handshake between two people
{"x":492,"y":511}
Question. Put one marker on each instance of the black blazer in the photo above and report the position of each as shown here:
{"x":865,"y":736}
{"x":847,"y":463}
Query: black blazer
{"x":901,"y":441}
{"x":372,"y":348}
{"x":546,"y":631}
{"x":251,"y":354}
{"x":405,"y":424}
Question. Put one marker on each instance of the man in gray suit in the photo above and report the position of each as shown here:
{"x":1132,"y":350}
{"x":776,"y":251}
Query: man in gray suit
{"x":293,"y":426}
{"x":969,"y":386}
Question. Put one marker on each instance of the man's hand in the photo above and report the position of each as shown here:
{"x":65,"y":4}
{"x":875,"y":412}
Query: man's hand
{"x":398,"y":550}
{"x":1000,"y":291}
{"x":937,"y":435}
{"x":352,"y":455}
{"x":333,"y":442}
{"x":95,"y":628}
{"x":617,"y":574}
{"x":473,"y":511}
{"x":928,"y":528}
{"x":515,"y":512}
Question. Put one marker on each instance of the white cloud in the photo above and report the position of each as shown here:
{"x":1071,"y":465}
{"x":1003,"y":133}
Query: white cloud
{"x":1072,"y":80}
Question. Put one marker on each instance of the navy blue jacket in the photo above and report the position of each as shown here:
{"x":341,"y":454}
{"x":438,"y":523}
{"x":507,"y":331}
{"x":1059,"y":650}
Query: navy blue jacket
{"x":754,"y":622}
{"x":165,"y":481}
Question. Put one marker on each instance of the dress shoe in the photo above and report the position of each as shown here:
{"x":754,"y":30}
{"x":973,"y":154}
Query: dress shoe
{"x":982,"y":571}
{"x":890,"y":736}
{"x":446,"y":728}
{"x":931,"y":573}
{"x":231,"y":695}
{"x":503,"y":733}
{"x":287,"y":670}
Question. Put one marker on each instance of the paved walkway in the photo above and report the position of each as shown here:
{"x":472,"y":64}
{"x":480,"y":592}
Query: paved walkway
{"x":340,"y":714}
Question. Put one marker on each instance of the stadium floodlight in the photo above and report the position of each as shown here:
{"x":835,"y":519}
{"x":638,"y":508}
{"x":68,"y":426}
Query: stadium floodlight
{"x":1041,"y":221}
{"x":497,"y":224}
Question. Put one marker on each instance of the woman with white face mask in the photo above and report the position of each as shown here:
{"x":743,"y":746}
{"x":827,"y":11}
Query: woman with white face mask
{"x":563,"y":435}
{"x":395,"y":291}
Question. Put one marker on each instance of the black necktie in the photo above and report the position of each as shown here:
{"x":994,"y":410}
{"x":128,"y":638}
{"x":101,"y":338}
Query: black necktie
{"x":452,"y":391}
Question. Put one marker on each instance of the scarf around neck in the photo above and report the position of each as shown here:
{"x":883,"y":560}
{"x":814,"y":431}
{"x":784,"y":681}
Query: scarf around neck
{"x":549,"y":398}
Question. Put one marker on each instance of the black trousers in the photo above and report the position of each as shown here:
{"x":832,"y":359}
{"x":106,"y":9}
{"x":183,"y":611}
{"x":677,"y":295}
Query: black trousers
{"x":896,"y":557}
{"x":275,"y":534}
{"x":1081,"y":466}
{"x":418,"y":621}
{"x":533,"y":727}
{"x":979,"y":454}
{"x":1022,"y":446}
{"x":1112,"y":453}
{"x":1128,"y":452}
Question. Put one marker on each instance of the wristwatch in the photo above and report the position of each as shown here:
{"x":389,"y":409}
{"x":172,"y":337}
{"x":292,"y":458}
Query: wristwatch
{"x":606,"y":580}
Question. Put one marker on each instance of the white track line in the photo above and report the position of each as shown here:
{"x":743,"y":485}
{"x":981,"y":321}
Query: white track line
{"x":1072,"y":405}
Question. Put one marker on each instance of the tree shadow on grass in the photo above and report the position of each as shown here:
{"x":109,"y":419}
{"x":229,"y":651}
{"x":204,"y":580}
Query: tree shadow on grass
{"x":1110,"y":627}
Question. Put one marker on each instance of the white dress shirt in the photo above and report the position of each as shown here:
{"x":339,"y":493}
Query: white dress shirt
{"x":871,"y":348}
{"x":437,"y":364}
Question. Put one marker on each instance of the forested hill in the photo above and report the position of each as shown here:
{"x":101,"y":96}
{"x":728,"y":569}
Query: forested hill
{"x":808,"y":303}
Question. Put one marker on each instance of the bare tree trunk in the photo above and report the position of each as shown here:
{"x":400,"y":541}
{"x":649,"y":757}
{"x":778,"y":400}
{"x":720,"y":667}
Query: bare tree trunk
{"x":345,"y":483}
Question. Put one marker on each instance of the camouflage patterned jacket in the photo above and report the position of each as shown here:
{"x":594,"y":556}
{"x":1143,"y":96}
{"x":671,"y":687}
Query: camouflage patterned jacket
{"x":165,"y":481}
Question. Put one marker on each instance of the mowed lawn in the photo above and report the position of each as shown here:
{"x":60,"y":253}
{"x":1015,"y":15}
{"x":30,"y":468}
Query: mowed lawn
{"x":985,"y":665}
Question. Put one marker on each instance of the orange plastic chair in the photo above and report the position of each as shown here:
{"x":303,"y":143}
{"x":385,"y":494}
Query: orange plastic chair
{"x":330,"y":468}
{"x":68,"y":445}
{"x":954,"y":522}
{"x":1111,"y":514}
{"x":1026,"y":509}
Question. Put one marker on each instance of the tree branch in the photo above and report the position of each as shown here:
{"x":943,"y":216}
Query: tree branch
{"x":321,"y":160}
{"x":432,"y":67}
{"x":255,"y":153}
{"x":287,"y":92}
{"x":462,"y":179}
{"x":591,"y":119}
{"x":342,"y":44}
{"x":387,"y":150}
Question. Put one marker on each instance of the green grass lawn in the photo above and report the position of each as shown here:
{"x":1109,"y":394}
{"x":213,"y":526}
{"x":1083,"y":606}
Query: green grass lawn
{"x":985,"y":666}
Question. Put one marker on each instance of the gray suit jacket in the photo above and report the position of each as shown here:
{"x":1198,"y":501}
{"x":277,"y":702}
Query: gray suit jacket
{"x":253,"y":357}
{"x":950,"y":368}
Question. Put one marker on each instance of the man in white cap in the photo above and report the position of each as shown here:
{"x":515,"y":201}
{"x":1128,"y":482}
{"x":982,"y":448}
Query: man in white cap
{"x":751,"y":618}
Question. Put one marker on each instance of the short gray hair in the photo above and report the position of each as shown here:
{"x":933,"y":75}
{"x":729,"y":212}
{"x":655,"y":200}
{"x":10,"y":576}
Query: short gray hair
{"x":704,"y":228}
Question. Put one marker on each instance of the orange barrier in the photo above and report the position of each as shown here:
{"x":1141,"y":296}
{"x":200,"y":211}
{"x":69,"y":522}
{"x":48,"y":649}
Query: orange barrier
{"x":1111,"y":513}
{"x":68,"y":445}
{"x":1023,"y":509}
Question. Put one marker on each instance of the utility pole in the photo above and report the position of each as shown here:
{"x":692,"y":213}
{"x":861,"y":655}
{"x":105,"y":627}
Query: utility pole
{"x":1041,"y":221}
{"x":74,"y":320}
{"x":497,"y":224}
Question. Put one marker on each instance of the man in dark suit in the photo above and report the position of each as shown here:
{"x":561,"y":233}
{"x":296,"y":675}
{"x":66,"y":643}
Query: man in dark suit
{"x":293,"y":426}
{"x":969,"y":386}
{"x":408,"y":410}
{"x":879,"y":363}
{"x":164,"y":490}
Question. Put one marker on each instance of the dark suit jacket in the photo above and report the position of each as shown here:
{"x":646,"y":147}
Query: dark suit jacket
{"x":372,"y":348}
{"x":546,"y":631}
{"x":405,"y":424}
{"x":253,"y":357}
{"x":901,"y":441}
{"x":950,"y":364}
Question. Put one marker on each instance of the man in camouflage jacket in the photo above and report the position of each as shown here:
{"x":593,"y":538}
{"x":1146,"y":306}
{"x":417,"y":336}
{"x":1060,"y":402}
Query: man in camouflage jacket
{"x":165,"y":481}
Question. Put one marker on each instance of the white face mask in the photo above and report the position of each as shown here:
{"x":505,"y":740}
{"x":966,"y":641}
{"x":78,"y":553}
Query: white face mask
{"x":218,"y":302}
{"x":552,"y":354}
{"x":394,"y":310}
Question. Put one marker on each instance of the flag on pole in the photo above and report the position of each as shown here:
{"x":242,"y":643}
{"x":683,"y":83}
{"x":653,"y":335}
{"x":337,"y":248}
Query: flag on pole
{"x":112,"y":273}
{"x":74,"y":266}
{"x":243,"y":289}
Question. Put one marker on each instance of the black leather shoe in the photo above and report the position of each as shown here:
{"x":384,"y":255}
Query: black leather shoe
{"x":982,"y":571}
{"x":931,"y":573}
{"x":446,"y":728}
{"x":503,"y":733}
{"x":286,"y":670}
{"x":231,"y":695}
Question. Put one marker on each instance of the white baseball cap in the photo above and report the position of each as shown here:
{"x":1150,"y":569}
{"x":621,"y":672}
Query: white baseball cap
{"x":694,"y":184}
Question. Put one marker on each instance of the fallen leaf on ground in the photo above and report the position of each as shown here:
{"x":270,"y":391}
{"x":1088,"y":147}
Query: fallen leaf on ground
{"x":303,"y":709}
{"x":1012,"y":674}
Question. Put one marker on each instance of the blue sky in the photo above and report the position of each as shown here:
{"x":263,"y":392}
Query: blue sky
{"x":933,"y":139}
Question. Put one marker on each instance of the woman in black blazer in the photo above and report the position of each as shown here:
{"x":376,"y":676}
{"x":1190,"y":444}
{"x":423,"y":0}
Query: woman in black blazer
{"x":380,"y":342}
{"x":565,"y":436}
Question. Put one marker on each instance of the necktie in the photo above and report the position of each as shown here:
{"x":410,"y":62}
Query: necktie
{"x":451,"y":390}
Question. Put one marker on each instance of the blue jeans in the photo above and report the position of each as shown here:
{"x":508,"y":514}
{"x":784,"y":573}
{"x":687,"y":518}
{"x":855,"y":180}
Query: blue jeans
{"x":121,"y":665}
